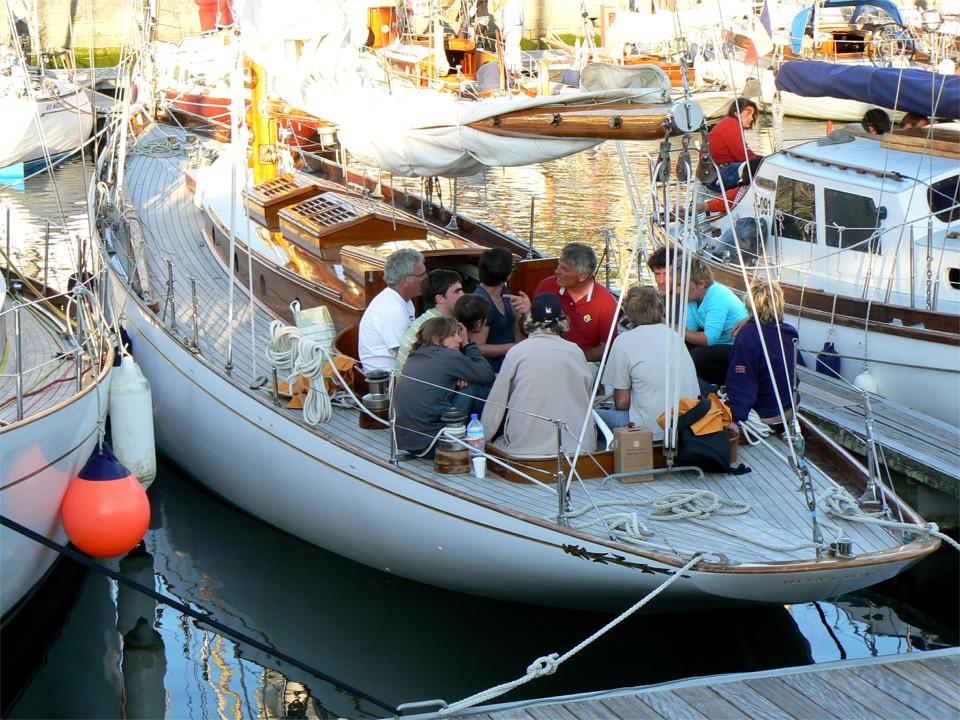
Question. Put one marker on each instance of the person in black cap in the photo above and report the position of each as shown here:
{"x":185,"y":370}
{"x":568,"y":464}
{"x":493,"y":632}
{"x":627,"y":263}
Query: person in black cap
{"x":544,"y":376}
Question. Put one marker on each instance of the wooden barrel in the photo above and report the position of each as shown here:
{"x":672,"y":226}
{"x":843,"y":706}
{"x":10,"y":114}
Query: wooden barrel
{"x":368,"y":423}
{"x":452,"y":462}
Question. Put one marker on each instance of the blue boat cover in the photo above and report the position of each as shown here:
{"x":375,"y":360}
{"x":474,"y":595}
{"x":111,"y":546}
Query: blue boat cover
{"x":803,"y":20}
{"x":906,"y":90}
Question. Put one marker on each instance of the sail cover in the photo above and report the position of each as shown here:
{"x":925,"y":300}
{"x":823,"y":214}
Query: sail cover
{"x":314,"y":54}
{"x":906,"y":90}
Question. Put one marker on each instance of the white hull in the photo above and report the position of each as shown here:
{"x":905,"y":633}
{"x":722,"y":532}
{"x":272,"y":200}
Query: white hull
{"x":931,"y":387}
{"x":334,"y":486}
{"x":44,"y":449}
{"x":40,"y":459}
{"x":818,"y":108}
{"x":329,"y":494}
{"x":65,"y":124}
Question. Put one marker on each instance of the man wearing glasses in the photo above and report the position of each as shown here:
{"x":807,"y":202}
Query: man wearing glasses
{"x":390,"y":313}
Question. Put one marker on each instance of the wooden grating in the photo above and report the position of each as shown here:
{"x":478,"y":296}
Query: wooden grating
{"x":268,"y":198}
{"x":320,"y":214}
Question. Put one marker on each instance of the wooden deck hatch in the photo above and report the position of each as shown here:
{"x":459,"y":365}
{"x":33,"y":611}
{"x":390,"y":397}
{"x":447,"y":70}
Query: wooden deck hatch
{"x":944,"y":142}
{"x":331,"y":221}
{"x":268,"y":198}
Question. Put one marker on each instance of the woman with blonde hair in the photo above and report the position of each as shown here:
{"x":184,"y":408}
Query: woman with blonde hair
{"x":750,"y":384}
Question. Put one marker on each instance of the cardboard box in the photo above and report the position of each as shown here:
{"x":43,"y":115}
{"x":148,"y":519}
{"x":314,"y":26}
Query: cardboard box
{"x":633,"y":451}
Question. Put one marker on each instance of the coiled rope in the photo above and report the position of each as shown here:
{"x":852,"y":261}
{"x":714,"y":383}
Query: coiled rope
{"x":161,"y":148}
{"x":296,"y":356}
{"x":548,"y":664}
{"x":838,"y":503}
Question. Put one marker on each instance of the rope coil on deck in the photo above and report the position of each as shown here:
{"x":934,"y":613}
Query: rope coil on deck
{"x":695,"y":504}
{"x":296,"y":355}
{"x":838,"y":503}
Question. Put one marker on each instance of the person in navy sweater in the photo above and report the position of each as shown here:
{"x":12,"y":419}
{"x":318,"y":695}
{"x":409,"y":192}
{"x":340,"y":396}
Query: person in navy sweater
{"x":750,"y":386}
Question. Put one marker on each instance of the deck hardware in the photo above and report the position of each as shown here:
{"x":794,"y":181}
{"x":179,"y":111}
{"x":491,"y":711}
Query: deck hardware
{"x":616,"y":122}
{"x":556,"y":119}
{"x":452,"y":223}
{"x":843,"y":547}
{"x":494,"y":121}
{"x":169,"y":302}
{"x":194,"y":345}
{"x":19,"y":349}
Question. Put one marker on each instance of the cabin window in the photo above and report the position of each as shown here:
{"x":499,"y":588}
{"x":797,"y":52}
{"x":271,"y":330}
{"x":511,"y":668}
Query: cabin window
{"x":850,"y":220}
{"x":263,"y":286}
{"x":795,"y":210}
{"x":953,"y":277}
{"x":944,"y":199}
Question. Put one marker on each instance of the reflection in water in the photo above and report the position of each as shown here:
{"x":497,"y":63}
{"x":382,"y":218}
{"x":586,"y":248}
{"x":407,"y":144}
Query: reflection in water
{"x":394,"y":640}
{"x":30,"y":216}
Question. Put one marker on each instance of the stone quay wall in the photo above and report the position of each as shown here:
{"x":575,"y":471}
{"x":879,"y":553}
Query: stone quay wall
{"x":105,"y":23}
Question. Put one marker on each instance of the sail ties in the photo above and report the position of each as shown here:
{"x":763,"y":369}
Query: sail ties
{"x":548,"y":664}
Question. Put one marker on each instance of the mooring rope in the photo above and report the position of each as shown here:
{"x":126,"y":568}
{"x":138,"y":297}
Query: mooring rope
{"x":548,"y":664}
{"x":201,"y":616}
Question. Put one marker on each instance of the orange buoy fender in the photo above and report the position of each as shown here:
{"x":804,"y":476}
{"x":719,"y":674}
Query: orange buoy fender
{"x":105,"y":510}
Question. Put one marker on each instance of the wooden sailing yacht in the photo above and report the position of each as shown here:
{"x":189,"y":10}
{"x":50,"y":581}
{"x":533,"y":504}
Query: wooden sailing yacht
{"x":218,"y":350}
{"x":54,"y":365}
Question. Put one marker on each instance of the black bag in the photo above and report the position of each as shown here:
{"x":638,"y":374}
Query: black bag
{"x":710,"y":452}
{"x":752,"y":234}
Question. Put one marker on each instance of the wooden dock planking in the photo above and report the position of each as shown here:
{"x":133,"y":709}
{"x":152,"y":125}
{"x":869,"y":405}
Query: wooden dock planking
{"x":922,"y":448}
{"x":922,"y":686}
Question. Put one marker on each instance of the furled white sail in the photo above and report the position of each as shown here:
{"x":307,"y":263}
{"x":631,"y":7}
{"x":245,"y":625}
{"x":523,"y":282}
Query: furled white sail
{"x":314,"y":56}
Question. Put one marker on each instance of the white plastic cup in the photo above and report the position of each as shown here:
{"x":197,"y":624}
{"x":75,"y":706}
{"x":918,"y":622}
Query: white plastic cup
{"x":479,"y":467}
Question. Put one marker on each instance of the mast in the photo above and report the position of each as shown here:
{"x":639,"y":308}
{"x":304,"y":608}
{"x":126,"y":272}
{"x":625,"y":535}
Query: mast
{"x":263,"y":159}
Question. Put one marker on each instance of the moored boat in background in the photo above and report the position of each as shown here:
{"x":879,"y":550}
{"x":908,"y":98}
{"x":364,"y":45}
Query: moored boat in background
{"x":862,"y":233}
{"x":45,"y":117}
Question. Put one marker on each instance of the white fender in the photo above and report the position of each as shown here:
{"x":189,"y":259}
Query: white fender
{"x":866,"y":381}
{"x":131,"y":421}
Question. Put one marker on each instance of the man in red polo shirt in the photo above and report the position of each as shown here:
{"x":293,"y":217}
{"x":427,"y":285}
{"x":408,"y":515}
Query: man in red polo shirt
{"x":589,"y":305}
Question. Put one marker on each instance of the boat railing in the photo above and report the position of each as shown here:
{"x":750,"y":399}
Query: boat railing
{"x":79,"y":326}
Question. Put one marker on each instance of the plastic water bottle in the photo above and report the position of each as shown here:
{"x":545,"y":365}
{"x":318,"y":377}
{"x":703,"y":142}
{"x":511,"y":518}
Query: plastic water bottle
{"x":475,"y":438}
